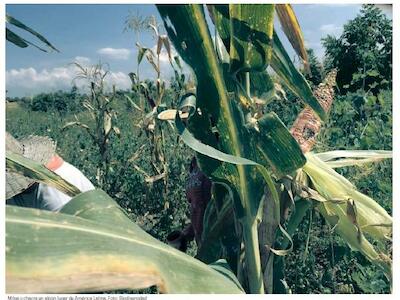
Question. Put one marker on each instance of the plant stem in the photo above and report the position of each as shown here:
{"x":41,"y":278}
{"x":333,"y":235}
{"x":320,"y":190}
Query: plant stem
{"x":332,"y":259}
{"x":266,"y":236}
{"x":308,"y":238}
{"x":247,"y":78}
{"x":252,"y":255}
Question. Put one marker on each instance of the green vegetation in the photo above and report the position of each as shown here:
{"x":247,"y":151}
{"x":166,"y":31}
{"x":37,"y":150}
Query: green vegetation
{"x":363,"y":53}
{"x":307,"y":246}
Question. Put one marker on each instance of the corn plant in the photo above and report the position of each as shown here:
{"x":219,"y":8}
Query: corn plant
{"x":151,"y":99}
{"x":241,"y":149}
{"x":98,"y":105}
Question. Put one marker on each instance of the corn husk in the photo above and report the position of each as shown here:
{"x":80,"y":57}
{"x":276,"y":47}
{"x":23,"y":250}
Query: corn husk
{"x":169,"y":115}
{"x":352,"y":214}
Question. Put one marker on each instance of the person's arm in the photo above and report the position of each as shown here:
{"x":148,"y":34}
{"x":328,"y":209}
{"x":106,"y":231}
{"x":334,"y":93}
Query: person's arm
{"x":188,"y":232}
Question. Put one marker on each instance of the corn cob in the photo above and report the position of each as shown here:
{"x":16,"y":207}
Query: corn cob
{"x":307,"y":125}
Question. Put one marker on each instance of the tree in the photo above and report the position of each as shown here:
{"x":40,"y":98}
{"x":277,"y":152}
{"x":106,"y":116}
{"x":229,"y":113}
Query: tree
{"x":316,"y":68}
{"x":363,"y":53}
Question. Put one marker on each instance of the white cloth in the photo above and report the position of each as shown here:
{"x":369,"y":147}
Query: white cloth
{"x":51,"y":199}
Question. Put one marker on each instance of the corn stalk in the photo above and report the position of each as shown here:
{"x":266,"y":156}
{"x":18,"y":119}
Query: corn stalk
{"x":98,"y":105}
{"x":152,"y":92}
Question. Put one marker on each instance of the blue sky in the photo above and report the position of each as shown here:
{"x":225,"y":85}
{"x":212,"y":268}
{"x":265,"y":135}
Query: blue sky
{"x":89,"y":33}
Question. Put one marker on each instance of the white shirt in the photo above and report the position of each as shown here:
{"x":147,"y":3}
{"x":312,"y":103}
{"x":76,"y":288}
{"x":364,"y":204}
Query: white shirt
{"x":51,"y":198}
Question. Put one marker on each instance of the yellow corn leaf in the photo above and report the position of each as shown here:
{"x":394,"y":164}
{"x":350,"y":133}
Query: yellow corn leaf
{"x":292,"y":30}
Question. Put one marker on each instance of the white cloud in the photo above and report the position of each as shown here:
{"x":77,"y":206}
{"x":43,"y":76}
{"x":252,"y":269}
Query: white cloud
{"x":30,"y":78}
{"x":29,"y":81}
{"x":83,"y":60}
{"x":331,"y":29}
{"x":164,"y":54}
{"x":120,"y":79}
{"x":114,"y":53}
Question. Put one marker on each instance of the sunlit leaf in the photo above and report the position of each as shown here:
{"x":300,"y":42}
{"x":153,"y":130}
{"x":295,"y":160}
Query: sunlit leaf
{"x":347,"y":221}
{"x":345,"y":158}
{"x":251,"y":27}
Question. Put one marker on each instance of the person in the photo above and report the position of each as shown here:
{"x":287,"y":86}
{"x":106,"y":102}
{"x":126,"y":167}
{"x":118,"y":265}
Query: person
{"x":25,"y":192}
{"x":198,"y":194}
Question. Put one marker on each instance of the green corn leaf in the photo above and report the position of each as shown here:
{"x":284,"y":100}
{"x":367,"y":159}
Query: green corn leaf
{"x":331,"y":155}
{"x":15,"y":22}
{"x":278,"y":146}
{"x":19,"y":41}
{"x":132,"y":103}
{"x":15,"y":39}
{"x":95,"y":247}
{"x":19,"y":164}
{"x":292,"y":78}
{"x":219,"y":230}
{"x":207,"y":150}
{"x":340,"y":163}
{"x":261,"y":84}
{"x":280,"y":60}
{"x":251,"y":27}
{"x":222,"y":267}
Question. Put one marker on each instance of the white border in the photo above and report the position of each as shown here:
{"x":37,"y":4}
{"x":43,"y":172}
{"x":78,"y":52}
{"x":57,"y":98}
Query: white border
{"x":396,"y":139}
